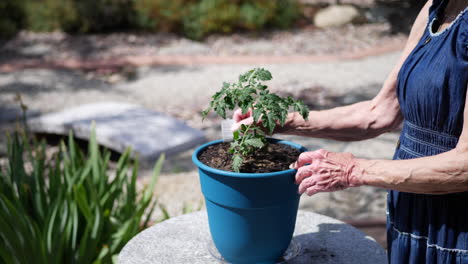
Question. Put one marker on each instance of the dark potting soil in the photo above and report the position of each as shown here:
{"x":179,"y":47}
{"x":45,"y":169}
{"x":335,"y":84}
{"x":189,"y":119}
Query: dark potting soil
{"x":275,"y":157}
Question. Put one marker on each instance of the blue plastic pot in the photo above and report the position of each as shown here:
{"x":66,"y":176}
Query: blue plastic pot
{"x":251,"y":215}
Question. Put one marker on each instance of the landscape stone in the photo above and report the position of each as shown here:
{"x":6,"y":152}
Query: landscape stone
{"x":185,"y":239}
{"x":39,"y":49}
{"x":335,"y":16}
{"x":15,"y":113}
{"x":119,"y":126}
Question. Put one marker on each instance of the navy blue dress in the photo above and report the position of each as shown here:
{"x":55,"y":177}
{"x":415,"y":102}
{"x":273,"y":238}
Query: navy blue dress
{"x":431,"y":91}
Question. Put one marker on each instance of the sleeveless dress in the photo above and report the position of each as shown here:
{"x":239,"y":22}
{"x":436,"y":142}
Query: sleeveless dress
{"x":431,"y":91}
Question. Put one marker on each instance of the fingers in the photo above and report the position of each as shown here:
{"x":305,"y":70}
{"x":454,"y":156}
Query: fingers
{"x":312,"y":190}
{"x":320,"y":171}
{"x":308,"y":158}
{"x":303,"y":173}
{"x":246,"y":122}
{"x":306,"y":184}
{"x":238,"y":116}
{"x":316,"y":183}
{"x":241,"y":119}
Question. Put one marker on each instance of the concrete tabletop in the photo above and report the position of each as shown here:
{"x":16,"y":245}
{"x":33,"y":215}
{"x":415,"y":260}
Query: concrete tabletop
{"x":186,"y":239}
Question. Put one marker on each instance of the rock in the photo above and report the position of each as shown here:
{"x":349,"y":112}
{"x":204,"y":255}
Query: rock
{"x":361,"y":3}
{"x":33,"y":82}
{"x":15,"y":113}
{"x":335,"y":16}
{"x":317,"y":239}
{"x":119,"y":126}
{"x":39,"y":49}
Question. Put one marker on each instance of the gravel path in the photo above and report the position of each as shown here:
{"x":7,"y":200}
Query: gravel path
{"x":306,"y":41}
{"x":176,"y":89}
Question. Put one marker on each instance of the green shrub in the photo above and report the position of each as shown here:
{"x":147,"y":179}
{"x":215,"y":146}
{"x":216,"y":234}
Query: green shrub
{"x":68,"y":209}
{"x":79,"y":16}
{"x":50,"y":15}
{"x":254,"y":15}
{"x":199,"y":18}
{"x":103,"y":15}
{"x":160,"y":15}
{"x":287,"y":12}
{"x":209,"y":16}
{"x":193,"y":18}
{"x":12,"y":17}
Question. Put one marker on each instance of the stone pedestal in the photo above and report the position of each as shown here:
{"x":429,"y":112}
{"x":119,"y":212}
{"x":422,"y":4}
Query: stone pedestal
{"x":186,"y":239}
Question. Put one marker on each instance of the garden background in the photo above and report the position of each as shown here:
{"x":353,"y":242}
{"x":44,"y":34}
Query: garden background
{"x":169,"y":57}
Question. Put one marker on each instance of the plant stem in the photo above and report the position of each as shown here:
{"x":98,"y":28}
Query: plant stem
{"x":246,"y":130}
{"x":253,"y":73}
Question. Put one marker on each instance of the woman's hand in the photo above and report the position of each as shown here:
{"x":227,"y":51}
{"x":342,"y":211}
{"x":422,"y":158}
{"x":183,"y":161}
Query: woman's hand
{"x":324,"y":171}
{"x":241,"y":119}
{"x":247,"y":119}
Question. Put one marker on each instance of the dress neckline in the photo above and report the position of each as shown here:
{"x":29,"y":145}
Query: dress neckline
{"x":435,"y":18}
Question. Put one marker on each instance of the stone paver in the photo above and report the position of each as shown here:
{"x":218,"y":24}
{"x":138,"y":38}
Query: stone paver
{"x":120,"y":126}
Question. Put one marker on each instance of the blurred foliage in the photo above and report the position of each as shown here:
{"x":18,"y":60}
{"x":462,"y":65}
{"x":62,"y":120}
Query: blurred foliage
{"x":79,"y":16}
{"x":208,"y":16}
{"x":69,"y":208}
{"x":198,"y":18}
{"x":12,"y":17}
{"x":160,"y":15}
{"x":50,"y":15}
{"x":192,"y":18}
{"x":103,"y":15}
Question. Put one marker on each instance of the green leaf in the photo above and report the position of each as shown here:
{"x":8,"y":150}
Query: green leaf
{"x":256,"y":113}
{"x":237,"y":162}
{"x":255,"y":142}
{"x":244,"y":77}
{"x":221,"y":111}
{"x":82,"y":202}
{"x":264,"y":75}
{"x":164,"y":212}
{"x":236,"y":135}
{"x":205,"y":113}
{"x":300,"y":107}
{"x":150,"y":213}
{"x":271,"y":123}
{"x":284,"y":116}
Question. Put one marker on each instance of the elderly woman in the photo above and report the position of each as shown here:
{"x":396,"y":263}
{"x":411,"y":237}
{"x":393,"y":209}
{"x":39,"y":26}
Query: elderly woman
{"x":428,"y":176}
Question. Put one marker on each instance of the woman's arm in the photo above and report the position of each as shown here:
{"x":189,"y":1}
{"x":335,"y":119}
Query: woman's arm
{"x":323,"y":171}
{"x":439,"y":174}
{"x":365,"y":119}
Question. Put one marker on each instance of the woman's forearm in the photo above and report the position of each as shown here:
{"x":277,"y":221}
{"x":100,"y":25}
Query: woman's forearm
{"x":365,"y":119}
{"x":440,"y":174}
{"x":358,"y":121}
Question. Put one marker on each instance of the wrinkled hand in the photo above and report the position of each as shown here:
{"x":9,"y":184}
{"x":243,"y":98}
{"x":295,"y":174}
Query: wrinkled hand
{"x":324,"y":171}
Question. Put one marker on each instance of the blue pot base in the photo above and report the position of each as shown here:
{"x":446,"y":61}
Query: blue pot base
{"x":293,"y":251}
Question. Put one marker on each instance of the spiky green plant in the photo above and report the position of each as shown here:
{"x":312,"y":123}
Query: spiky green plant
{"x":69,"y":209}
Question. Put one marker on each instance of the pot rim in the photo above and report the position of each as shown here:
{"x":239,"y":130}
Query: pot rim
{"x":202,"y":166}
